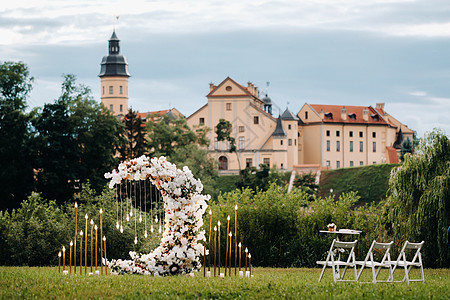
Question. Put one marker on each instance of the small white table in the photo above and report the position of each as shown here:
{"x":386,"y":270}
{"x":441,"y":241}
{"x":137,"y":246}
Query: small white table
{"x":342,"y":231}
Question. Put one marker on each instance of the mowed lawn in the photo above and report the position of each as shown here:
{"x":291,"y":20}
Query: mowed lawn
{"x":47,"y":283}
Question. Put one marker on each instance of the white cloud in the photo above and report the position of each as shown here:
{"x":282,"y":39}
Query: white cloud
{"x":418,"y":93}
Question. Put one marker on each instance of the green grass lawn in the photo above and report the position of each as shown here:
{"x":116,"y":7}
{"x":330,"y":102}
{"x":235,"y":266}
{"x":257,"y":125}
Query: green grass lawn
{"x":46,"y":282}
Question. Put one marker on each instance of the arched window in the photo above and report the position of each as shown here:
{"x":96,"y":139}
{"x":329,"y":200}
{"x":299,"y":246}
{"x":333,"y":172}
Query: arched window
{"x":223,"y":163}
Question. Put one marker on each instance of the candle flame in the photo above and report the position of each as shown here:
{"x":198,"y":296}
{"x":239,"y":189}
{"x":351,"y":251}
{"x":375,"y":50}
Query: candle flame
{"x":117,"y":225}
{"x":230,"y":234}
{"x":71,"y":243}
{"x":128,"y":218}
{"x":64,"y":249}
{"x":76,"y":205}
{"x":235,"y":207}
{"x":131,"y":213}
{"x":59,"y":253}
{"x":145,"y":234}
{"x":121,"y":229}
{"x":210,"y":212}
{"x":135,"y":240}
{"x":104,"y":238}
{"x":92,"y":222}
{"x":215,"y":228}
{"x":86,"y":216}
{"x":151,"y":229}
{"x":218,"y":223}
{"x":246,"y":250}
{"x":101,"y":211}
{"x":249,"y":255}
{"x":228,"y":218}
{"x":140,"y":219}
{"x":156,"y":219}
{"x":95,"y":227}
{"x":240,"y":245}
{"x":81,"y":232}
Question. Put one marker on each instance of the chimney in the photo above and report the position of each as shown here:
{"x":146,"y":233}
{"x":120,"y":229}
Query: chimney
{"x":380,"y":106}
{"x":366,"y":114}
{"x":211,"y":86}
{"x":344,"y":113}
{"x":322,"y":114}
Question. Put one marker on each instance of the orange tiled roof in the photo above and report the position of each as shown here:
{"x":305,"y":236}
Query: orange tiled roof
{"x":392,"y":155}
{"x":335,"y":117}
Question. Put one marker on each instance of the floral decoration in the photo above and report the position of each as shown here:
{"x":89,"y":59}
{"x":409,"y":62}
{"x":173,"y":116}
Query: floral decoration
{"x":179,"y":251}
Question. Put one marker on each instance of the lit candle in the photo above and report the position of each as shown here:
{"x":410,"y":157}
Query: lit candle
{"x":240,"y":250}
{"x":104,"y":247}
{"x":70,"y":265}
{"x":246,"y":253}
{"x":229,"y":260}
{"x":215,"y":236}
{"x":101,"y":244}
{"x":250,"y":264}
{"x":235,"y":240}
{"x":81,"y":251}
{"x":59,"y":261}
{"x":226,"y":250}
{"x":92,"y":244}
{"x":209,"y":241}
{"x":75,"y":245}
{"x":218,"y":242}
{"x":85,"y":245}
{"x":204,"y":257}
{"x":96,"y":248}
{"x":64,"y":258}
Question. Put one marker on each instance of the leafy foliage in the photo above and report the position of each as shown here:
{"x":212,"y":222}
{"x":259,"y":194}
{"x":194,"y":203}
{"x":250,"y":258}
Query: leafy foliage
{"x":418,"y":207}
{"x":223,"y":132}
{"x":262,"y":178}
{"x":135,"y":131}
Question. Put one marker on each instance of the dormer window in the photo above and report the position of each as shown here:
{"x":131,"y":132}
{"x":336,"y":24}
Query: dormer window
{"x":352,"y":116}
{"x":329,"y":116}
{"x":375,"y":117}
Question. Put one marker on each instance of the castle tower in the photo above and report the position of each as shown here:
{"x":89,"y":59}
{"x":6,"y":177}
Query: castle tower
{"x":114,"y":79}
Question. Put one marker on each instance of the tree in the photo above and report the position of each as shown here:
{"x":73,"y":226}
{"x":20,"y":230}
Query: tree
{"x":75,"y":141}
{"x":407,"y":147}
{"x":135,"y":131}
{"x":223,"y":132}
{"x":16,"y":173}
{"x":418,"y":207}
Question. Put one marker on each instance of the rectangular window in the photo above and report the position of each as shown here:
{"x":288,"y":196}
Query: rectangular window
{"x":289,"y":126}
{"x":121,"y":90}
{"x":351,"y":146}
{"x":228,"y":106}
{"x":361,"y":147}
{"x":328,"y":133}
{"x":121,"y":108}
{"x":306,"y":115}
{"x":360,"y":134}
{"x":337,"y":133}
{"x":361,"y":163}
{"x":111,"y":107}
{"x":103,"y":90}
{"x":328,"y":163}
{"x":338,"y":164}
{"x":216,"y":144}
{"x":338,"y":146}
{"x":290,"y":142}
{"x":374,"y":134}
{"x":241,"y":128}
{"x":281,"y":142}
{"x":295,"y":142}
{"x":374,"y":146}
{"x":266,"y":161}
{"x":248,"y":163}
{"x":110,"y":89}
{"x":328,"y":145}
{"x":255,"y":120}
{"x":350,"y":134}
{"x":351,"y":163}
{"x":374,"y":162}
{"x":241,"y":142}
{"x":201,"y":121}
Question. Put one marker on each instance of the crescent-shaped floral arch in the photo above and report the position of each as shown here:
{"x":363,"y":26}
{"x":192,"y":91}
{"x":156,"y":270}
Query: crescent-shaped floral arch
{"x":179,"y":251}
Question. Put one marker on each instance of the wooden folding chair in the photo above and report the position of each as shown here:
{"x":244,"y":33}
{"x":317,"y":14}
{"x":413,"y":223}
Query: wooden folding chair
{"x":416,"y":261}
{"x":372,"y":263}
{"x":336,"y":259}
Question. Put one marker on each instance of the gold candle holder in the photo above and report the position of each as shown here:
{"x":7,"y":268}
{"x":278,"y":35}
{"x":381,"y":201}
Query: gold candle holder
{"x":246,"y":254}
{"x":250,"y":264}
{"x":96,"y":247}
{"x":85,"y":245}
{"x":235,"y":239}
{"x":240,"y":251}
{"x":209,"y":241}
{"x":218,"y":242}
{"x":101,"y":244}
{"x":92,"y":244}
{"x":104,"y":249}
{"x":226,"y":249}
{"x":215,"y":242}
{"x":70,"y":259}
{"x":59,"y":261}
{"x":229,"y":252}
{"x":64,"y":258}
{"x":204,"y":257}
{"x":81,"y":251}
{"x":75,"y":240}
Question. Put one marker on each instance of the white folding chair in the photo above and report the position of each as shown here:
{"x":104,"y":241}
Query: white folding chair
{"x":416,"y":261}
{"x":336,"y":259}
{"x":372,"y":263}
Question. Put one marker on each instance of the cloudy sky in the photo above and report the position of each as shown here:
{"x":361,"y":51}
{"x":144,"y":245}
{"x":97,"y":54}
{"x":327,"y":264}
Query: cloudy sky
{"x":349,"y":52}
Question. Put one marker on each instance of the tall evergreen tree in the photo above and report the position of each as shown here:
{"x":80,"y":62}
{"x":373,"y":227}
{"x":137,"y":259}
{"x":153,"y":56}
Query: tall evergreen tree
{"x":135,"y":131}
{"x":16,"y":173}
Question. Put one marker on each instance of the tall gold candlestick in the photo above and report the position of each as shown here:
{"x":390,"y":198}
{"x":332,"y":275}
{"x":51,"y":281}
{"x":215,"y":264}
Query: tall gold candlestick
{"x":81,"y":251}
{"x":250,"y":264}
{"x":235,"y":240}
{"x":96,"y":248}
{"x":104,"y":249}
{"x":59,"y":261}
{"x":226,"y":250}
{"x":92,"y":244}
{"x":75,"y":240}
{"x":246,"y":253}
{"x":215,"y":242}
{"x":240,"y":251}
{"x":218,"y":242}
{"x":64,"y":258}
{"x":204,"y":257}
{"x":85,"y":245}
{"x":229,"y":259}
{"x":209,"y":241}
{"x":70,"y":260}
{"x":101,"y":244}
